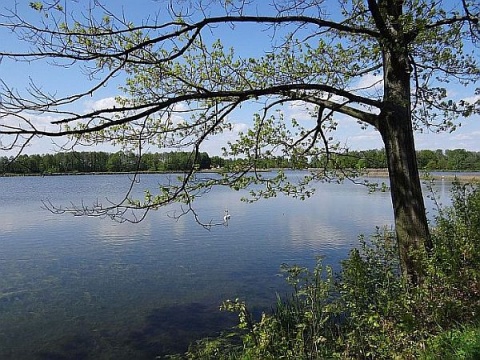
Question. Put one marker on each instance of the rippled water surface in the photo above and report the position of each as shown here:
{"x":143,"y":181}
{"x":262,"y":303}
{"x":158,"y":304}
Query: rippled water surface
{"x":90,"y":288}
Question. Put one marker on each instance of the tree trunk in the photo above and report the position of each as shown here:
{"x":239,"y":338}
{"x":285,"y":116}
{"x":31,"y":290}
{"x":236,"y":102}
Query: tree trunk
{"x":396,"y":128}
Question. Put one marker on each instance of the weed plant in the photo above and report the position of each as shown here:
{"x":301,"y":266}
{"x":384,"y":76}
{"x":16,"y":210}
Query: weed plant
{"x":367,"y":310}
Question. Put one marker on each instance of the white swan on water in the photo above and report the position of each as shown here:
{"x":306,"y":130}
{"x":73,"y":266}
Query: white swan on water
{"x":226,"y":217}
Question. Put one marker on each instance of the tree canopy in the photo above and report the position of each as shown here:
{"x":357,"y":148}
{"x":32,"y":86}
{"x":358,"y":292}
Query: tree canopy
{"x":182,"y":81}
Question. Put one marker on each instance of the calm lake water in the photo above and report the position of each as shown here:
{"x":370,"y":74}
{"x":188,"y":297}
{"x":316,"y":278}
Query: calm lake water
{"x":90,"y":288}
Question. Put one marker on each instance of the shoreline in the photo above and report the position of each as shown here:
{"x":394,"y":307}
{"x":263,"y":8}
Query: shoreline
{"x":464,"y":176}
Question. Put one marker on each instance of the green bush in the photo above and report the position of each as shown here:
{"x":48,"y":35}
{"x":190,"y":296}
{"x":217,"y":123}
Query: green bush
{"x":298,"y":326}
{"x":455,"y":263}
{"x":460,"y":344}
{"x":373,"y":299}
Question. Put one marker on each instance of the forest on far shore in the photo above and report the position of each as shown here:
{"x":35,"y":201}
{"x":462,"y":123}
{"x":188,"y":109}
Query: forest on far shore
{"x":94,"y":162}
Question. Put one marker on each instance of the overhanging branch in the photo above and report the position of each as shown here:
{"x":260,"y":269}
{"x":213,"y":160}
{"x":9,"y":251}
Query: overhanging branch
{"x":342,"y":108}
{"x":294,"y":91}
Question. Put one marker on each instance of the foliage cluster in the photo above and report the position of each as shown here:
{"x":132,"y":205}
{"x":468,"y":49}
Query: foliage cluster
{"x":458,"y":344}
{"x":85,"y":162}
{"x":367,"y":310}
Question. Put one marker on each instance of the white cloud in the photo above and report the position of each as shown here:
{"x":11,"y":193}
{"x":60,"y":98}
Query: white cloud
{"x":472,"y":99}
{"x":463,"y":138}
{"x":35,"y":145}
{"x":39,"y":122}
{"x":213,"y":145}
{"x":105,"y":103}
{"x":299,"y":110}
{"x":370,"y":81}
{"x":365,"y":140}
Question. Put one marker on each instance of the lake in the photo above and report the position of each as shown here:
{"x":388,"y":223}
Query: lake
{"x":91,"y":288}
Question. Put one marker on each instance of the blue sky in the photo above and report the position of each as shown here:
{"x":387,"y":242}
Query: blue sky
{"x":58,"y":80}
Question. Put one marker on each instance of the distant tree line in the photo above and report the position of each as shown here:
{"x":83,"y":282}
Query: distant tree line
{"x":88,"y":162}
{"x":448,"y":160}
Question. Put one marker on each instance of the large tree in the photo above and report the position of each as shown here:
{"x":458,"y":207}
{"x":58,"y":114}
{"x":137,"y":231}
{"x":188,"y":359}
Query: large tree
{"x":183,"y":83}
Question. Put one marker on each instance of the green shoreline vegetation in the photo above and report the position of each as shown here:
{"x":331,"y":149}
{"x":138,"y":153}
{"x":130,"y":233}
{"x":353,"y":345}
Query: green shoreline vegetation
{"x":458,"y":160}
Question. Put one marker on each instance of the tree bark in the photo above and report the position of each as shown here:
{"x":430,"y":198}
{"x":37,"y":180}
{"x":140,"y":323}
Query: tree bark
{"x":396,"y":128}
